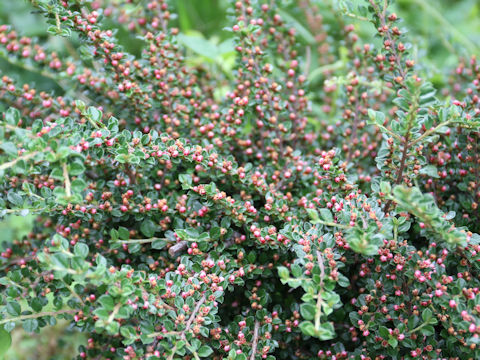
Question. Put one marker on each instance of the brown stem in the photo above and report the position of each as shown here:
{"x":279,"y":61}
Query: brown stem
{"x":176,"y":249}
{"x":68,"y":191}
{"x":35,"y":316}
{"x":13,"y":162}
{"x":255,"y":340}
{"x":393,"y":45}
{"x":406,"y":146}
{"x":115,"y":311}
{"x":400,"y":169}
{"x":194,"y":315}
{"x":141,"y":241}
{"x":188,"y":325}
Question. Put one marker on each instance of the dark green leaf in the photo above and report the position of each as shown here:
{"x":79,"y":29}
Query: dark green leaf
{"x":13,"y":308}
{"x":308,"y":311}
{"x":81,"y":250}
{"x":307,"y":328}
{"x":148,"y":228}
{"x":205,"y":351}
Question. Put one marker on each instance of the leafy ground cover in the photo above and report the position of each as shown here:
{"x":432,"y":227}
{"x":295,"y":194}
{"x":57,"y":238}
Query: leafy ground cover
{"x":244,"y":180}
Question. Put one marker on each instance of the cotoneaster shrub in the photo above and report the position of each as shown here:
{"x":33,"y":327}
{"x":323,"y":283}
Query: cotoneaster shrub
{"x":187,"y":209}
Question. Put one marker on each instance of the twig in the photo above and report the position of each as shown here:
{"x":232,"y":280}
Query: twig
{"x":57,"y":20}
{"x":418,"y":327}
{"x":13,"y":162}
{"x":33,"y":70}
{"x":430,"y":132}
{"x":381,"y":15}
{"x":195,"y":354}
{"x":327,"y":223}
{"x":115,"y":311}
{"x":174,"y":349}
{"x":68,"y":190}
{"x":16,"y":128}
{"x":321,"y":266}
{"x":406,"y":146}
{"x":169,"y":333}
{"x":140,"y":241}
{"x":35,"y":316}
{"x":389,"y":132}
{"x":318,"y":312}
{"x":15,"y":211}
{"x":255,"y":340}
{"x":177,"y":248}
{"x":75,"y":294}
{"x":188,"y":325}
{"x":357,"y":17}
{"x":194,"y":315}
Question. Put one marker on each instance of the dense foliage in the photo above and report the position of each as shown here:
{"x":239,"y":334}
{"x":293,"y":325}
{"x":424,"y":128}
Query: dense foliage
{"x":224,"y":205}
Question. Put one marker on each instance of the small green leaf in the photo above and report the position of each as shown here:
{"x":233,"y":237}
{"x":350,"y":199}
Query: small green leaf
{"x":307,"y":328}
{"x":94,"y":114}
{"x":205,"y":351}
{"x":10,"y":148}
{"x":30,"y":325}
{"x":376,"y":117}
{"x":123,"y":233}
{"x":427,"y":315}
{"x":428,"y":330}
{"x":385,"y":187}
{"x":148,"y":228}
{"x":59,"y":261}
{"x":313,"y":214}
{"x":326,"y":331}
{"x":393,"y":342}
{"x":283,"y":272}
{"x":81,"y":250}
{"x":24,"y":212}
{"x":12,"y":116}
{"x":14,"y":198}
{"x":78,"y":185}
{"x":128,"y":331}
{"x":185,"y":179}
{"x":429,"y":170}
{"x":106,"y":301}
{"x":159,"y":244}
{"x":36,"y":304}
{"x":113,"y":328}
{"x":308,"y":311}
{"x":76,"y":168}
{"x":384,"y":333}
{"x":13,"y":308}
{"x":215,"y":233}
{"x":343,"y":280}
{"x":326,"y":215}
{"x":296,"y":270}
